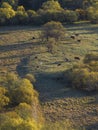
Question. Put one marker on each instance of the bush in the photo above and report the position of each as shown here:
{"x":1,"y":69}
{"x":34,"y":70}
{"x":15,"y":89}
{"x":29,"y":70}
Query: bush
{"x":50,"y":10}
{"x":6,"y":5}
{"x":32,"y":16}
{"x":82,"y":14}
{"x":6,"y":13}
{"x":53,"y":30}
{"x":12,"y":121}
{"x":92,"y":13}
{"x":85,"y":76}
{"x":24,"y":93}
{"x":21,"y":15}
{"x":83,"y":79}
{"x":70,"y":16}
{"x":4,"y":100}
{"x":19,"y":90}
{"x":23,"y":109}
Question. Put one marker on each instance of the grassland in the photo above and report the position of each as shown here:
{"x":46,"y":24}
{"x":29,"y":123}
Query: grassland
{"x":59,"y":101}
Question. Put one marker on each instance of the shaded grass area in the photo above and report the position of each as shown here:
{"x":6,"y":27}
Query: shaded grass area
{"x":59,"y":101}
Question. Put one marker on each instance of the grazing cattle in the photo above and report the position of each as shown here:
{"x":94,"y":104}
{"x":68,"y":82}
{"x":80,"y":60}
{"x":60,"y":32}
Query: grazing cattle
{"x":77,"y":58}
{"x":72,"y":36}
{"x":37,"y":66}
{"x":59,"y":64}
{"x":36,"y":57}
{"x":78,"y":40}
{"x":66,"y":59}
{"x":33,"y":38}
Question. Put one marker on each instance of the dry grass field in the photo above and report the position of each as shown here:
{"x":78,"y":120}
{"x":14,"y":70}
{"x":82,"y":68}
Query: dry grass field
{"x":59,"y":101}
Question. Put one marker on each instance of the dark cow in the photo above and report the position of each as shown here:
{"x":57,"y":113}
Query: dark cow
{"x":78,"y":40}
{"x":72,"y":36}
{"x":77,"y":58}
{"x":33,"y":38}
{"x":59,"y":64}
{"x":66,"y":59}
{"x":36,"y":57}
{"x":37,"y":67}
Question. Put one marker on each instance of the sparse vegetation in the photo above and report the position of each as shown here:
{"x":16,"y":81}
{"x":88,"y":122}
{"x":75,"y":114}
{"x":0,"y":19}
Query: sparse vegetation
{"x":59,"y":101}
{"x":48,"y":73}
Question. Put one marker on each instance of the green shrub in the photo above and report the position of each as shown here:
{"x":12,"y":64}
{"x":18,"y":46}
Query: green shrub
{"x":21,"y":15}
{"x":92,"y":13}
{"x":54,"y":30}
{"x":84,"y":76}
{"x":70,"y":16}
{"x":6,"y":13}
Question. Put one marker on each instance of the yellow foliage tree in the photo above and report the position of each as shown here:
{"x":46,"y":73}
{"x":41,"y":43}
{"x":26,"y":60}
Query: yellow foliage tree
{"x":4,"y":100}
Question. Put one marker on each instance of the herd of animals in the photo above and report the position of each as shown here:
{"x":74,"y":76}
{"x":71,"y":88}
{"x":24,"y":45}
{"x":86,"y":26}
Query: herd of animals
{"x":74,"y":37}
{"x":26,"y":45}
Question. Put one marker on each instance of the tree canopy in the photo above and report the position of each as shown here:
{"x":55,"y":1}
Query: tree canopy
{"x":53,"y":30}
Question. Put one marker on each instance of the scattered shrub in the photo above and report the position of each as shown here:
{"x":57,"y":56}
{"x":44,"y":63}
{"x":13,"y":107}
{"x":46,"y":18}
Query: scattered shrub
{"x":53,"y":30}
{"x":85,"y":76}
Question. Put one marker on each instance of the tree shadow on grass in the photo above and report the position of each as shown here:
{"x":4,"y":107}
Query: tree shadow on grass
{"x":17,"y":46}
{"x":52,"y":86}
{"x":89,"y":28}
{"x":92,"y":127}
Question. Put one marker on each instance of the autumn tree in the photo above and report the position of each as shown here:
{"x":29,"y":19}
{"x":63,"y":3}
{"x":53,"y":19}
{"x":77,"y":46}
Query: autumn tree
{"x":22,"y":100}
{"x":88,"y":3}
{"x":12,"y":121}
{"x":70,"y":16}
{"x":53,"y":30}
{"x":4,"y":100}
{"x":6,"y":13}
{"x":25,"y":93}
{"x":21,"y":15}
{"x":32,"y":16}
{"x":92,"y":13}
{"x":50,"y":10}
{"x":84,"y":76}
{"x":13,"y":3}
